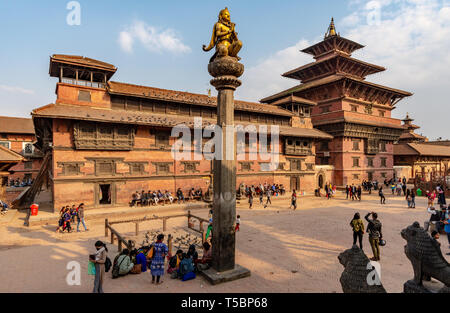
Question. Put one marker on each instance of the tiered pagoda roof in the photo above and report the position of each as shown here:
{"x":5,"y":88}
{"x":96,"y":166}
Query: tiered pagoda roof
{"x":335,"y":67}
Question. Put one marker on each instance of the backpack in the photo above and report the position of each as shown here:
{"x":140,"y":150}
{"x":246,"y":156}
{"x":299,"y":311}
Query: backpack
{"x":116,"y":268}
{"x":108,"y":264}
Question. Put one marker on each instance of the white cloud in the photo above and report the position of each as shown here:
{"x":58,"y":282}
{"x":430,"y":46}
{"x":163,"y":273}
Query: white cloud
{"x":16,"y":89}
{"x":153,"y":39}
{"x":411,"y":39}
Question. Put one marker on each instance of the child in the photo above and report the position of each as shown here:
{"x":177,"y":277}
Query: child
{"x":238,"y":222}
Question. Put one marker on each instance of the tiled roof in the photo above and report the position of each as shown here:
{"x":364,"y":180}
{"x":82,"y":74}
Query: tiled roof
{"x":355,"y":120}
{"x":408,"y":135}
{"x":421,"y":149}
{"x":151,"y":119}
{"x":375,"y":68}
{"x":187,"y":97}
{"x":80,"y":60}
{"x":16,"y":125}
{"x":7,"y":155}
{"x":331,"y":79}
{"x":293,"y":99}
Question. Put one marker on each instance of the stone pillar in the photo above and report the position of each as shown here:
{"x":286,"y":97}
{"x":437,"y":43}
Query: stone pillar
{"x":225,"y":71}
{"x":224,"y":202}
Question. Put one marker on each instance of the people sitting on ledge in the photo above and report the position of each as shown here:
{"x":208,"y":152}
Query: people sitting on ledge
{"x":124,"y":262}
{"x":205,"y":262}
{"x":180,"y":196}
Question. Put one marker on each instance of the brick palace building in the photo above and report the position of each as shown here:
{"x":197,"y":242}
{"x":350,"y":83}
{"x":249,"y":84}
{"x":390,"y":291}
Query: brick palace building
{"x":17,"y":134}
{"x":415,"y":157}
{"x":357,"y":113}
{"x":107,"y":139}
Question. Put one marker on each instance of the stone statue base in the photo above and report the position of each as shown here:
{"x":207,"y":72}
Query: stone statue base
{"x":428,"y":287}
{"x":214,"y":277}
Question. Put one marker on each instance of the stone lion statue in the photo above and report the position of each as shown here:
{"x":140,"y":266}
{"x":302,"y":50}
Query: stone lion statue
{"x":359,"y":276}
{"x":426,"y":258}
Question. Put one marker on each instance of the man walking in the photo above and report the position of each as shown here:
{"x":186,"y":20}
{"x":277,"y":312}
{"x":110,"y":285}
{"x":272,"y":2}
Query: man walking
{"x":375,"y":235}
{"x":80,"y":217}
{"x":269,"y":191}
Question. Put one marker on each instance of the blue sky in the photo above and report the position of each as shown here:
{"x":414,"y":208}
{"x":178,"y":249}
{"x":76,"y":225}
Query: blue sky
{"x":272,"y":33}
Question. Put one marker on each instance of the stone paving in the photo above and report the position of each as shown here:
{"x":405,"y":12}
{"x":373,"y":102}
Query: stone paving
{"x":287,"y":251}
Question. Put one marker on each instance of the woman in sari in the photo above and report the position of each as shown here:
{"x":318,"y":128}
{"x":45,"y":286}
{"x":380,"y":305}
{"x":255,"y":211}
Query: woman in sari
{"x":159,"y":252}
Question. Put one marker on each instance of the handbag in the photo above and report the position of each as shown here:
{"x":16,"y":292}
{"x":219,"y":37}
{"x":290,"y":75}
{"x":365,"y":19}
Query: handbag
{"x":382,"y":242}
{"x":91,"y":268}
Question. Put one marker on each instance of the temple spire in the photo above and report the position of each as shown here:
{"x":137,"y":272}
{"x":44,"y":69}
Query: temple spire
{"x":331,"y":29}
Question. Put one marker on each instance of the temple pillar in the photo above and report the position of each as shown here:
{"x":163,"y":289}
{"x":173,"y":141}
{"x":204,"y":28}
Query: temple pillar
{"x":225,"y":71}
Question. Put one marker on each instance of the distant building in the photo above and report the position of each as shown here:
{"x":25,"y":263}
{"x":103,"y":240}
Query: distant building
{"x":17,"y":134}
{"x":417,"y":158}
{"x":341,"y":102}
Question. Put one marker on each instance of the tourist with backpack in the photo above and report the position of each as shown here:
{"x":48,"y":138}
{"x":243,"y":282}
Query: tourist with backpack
{"x":375,"y":235}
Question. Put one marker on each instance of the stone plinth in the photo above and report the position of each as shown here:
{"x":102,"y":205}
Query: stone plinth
{"x":214,"y":277}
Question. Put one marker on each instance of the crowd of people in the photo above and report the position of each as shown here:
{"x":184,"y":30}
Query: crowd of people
{"x":154,"y":197}
{"x":68,"y":215}
{"x":184,"y":265}
{"x":261,"y":191}
{"x":25,"y":182}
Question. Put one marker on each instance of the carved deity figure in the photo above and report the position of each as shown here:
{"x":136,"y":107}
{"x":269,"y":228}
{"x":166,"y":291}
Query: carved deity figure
{"x":224,"y":38}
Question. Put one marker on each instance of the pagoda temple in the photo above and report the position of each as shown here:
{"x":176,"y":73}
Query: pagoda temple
{"x":333,"y":90}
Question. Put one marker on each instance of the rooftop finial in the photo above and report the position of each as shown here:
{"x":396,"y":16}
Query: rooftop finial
{"x":331,"y":29}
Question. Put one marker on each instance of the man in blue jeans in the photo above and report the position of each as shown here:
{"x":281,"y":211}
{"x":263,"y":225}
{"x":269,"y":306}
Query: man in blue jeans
{"x":80,"y":217}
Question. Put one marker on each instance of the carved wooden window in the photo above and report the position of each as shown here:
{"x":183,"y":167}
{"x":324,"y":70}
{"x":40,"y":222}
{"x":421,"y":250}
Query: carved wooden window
{"x":162,"y":139}
{"x":117,"y":103}
{"x":190,"y":167}
{"x":137,"y":168}
{"x":246,"y":166}
{"x":370,"y":162}
{"x":355,"y":176}
{"x":84,"y":95}
{"x":354,"y":108}
{"x":356,"y":145}
{"x":70,"y":168}
{"x":326,"y":109}
{"x":28,"y":148}
{"x":105,"y":168}
{"x":383,"y":146}
{"x":296,"y":165}
{"x":381,"y":113}
{"x":99,"y":136}
{"x":310,"y":166}
{"x":28,"y":165}
{"x":281,"y":166}
{"x":355,"y":162}
{"x":5,"y":144}
{"x":133,"y":105}
{"x":383,"y":162}
{"x":162,"y":167}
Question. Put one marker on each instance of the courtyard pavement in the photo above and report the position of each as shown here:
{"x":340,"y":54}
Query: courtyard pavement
{"x":286,"y":251}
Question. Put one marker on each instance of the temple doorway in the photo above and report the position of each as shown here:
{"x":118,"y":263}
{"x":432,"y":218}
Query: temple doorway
{"x":320,"y":181}
{"x":105,"y":194}
{"x":295,"y":183}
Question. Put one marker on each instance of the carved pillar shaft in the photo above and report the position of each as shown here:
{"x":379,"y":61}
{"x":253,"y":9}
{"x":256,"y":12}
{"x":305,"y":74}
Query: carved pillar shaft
{"x":225,"y":70}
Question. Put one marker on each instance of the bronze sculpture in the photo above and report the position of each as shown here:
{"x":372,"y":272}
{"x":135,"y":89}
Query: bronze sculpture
{"x":224,"y":38}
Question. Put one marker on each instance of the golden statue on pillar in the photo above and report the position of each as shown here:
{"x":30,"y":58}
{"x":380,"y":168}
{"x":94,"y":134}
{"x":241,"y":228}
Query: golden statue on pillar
{"x":224,"y":38}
